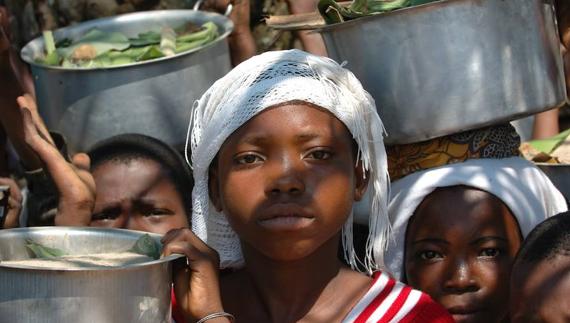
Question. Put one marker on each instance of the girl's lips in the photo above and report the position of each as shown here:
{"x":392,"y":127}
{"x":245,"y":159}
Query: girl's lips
{"x":286,"y":223}
{"x":464,"y":314}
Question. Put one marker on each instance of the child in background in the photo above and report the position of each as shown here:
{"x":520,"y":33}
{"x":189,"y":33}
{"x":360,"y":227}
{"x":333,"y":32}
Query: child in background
{"x":141,"y":184}
{"x":460,"y":207}
{"x":540,"y":282}
{"x":282,"y":147}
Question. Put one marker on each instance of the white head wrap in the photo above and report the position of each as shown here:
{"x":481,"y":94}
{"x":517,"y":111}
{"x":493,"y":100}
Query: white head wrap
{"x":525,"y":190}
{"x":267,"y":80}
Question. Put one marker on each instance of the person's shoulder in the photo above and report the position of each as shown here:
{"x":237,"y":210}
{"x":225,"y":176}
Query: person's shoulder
{"x":391,"y":300}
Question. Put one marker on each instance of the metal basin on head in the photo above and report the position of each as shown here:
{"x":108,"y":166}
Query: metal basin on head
{"x":454,"y":65}
{"x":151,"y":97}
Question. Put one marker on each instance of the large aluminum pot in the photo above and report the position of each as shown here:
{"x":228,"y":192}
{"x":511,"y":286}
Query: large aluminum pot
{"x":454,"y":65}
{"x":131,"y":293}
{"x":153,"y":97}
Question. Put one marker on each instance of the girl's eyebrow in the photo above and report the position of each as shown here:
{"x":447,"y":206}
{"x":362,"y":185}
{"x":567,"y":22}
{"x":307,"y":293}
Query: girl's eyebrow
{"x":484,"y":239}
{"x":431,"y":240}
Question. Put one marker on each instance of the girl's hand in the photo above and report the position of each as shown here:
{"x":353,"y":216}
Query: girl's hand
{"x":74,"y":182}
{"x":14,"y":203}
{"x":196,"y":282}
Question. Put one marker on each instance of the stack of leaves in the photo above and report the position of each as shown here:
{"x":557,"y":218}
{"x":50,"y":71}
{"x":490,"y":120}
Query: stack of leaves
{"x":98,"y":49}
{"x":334,"y":12}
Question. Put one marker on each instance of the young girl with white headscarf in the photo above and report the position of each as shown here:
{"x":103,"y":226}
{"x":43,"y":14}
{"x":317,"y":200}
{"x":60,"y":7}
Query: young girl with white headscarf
{"x":460,"y":207}
{"x":281,"y":148}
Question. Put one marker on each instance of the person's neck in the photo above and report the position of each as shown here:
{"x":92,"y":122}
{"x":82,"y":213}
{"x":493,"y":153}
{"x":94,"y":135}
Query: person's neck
{"x":287,"y":290}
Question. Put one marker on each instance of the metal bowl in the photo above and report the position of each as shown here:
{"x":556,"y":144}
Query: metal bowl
{"x":152,"y":97}
{"x":454,"y":65}
{"x":131,"y":293}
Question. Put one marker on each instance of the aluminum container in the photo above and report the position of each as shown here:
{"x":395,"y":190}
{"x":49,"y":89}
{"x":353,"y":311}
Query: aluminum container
{"x":454,"y":65}
{"x":131,"y":293}
{"x":152,"y":97}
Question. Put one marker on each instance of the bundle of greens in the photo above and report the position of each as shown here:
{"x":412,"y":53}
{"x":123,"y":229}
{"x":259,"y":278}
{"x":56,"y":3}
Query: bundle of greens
{"x":98,"y":49}
{"x":334,"y":12}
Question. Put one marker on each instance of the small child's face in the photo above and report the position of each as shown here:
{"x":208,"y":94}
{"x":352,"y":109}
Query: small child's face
{"x":286,"y":180}
{"x":541,"y":292}
{"x":460,"y":244}
{"x":136,"y":195}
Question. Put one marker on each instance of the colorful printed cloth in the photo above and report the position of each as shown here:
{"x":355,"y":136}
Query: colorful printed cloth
{"x":492,"y":142}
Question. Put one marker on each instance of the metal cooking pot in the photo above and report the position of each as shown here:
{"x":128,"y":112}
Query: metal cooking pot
{"x":450,"y":66}
{"x":131,"y":293}
{"x":152,"y":97}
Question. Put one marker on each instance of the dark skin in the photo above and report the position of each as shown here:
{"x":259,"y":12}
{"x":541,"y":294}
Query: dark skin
{"x":137,"y":195}
{"x":287,"y":180}
{"x":539,"y":291}
{"x":464,"y":261}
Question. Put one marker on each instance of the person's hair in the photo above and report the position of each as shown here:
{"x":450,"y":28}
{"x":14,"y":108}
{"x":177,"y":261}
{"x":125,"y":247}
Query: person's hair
{"x":128,"y":147}
{"x":549,"y":239}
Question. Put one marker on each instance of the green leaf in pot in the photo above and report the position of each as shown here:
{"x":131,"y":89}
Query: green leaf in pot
{"x":147,"y":246}
{"x":43,"y":252}
{"x":145,"y":39}
{"x":100,"y":41}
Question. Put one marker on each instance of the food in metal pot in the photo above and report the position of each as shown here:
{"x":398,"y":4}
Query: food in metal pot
{"x":100,"y":260}
{"x":334,"y":12}
{"x":145,"y":249}
{"x":97,"y":48}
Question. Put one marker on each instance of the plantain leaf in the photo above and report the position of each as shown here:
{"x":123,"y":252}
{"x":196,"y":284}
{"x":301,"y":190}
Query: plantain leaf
{"x":147,"y":246}
{"x":43,"y":252}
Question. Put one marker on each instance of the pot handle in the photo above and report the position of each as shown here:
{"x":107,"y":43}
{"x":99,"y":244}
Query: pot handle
{"x":226,"y":13}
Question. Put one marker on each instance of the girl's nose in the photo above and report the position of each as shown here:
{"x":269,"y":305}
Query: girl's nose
{"x":287,"y":177}
{"x":460,"y":278}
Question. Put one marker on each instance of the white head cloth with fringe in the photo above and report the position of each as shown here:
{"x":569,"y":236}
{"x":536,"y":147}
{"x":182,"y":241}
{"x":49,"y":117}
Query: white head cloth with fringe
{"x":268,"y":80}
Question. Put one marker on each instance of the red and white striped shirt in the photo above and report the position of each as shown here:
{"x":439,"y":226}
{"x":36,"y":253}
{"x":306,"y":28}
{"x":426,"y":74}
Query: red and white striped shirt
{"x":389,"y":301}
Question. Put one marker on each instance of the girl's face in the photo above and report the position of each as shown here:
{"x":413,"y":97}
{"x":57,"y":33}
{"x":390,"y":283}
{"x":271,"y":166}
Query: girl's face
{"x":137,"y":195}
{"x":460,"y":245}
{"x":286,"y":181}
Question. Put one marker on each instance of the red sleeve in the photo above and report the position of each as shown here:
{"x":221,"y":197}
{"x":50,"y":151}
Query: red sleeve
{"x":427,"y":310}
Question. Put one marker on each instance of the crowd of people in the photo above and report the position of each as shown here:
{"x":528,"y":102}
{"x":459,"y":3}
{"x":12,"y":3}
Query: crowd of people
{"x":280,"y":150}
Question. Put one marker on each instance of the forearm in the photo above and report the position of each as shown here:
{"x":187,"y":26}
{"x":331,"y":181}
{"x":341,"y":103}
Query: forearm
{"x":242,"y":46}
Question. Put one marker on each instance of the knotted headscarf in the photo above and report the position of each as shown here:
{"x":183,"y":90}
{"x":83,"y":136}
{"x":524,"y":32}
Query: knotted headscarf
{"x":271,"y":79}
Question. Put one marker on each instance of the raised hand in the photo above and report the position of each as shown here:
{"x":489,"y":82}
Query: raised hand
{"x":74,"y":182}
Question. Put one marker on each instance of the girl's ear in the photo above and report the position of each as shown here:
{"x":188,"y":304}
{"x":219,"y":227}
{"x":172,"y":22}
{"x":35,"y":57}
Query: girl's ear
{"x":214,"y":188}
{"x":361,"y":181}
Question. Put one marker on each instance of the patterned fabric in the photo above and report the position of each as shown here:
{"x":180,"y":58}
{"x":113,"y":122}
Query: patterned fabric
{"x":389,"y":300}
{"x":492,"y":142}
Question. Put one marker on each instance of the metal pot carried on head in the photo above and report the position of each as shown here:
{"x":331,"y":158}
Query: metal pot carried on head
{"x":151,"y":97}
{"x":454,"y":65}
{"x":135,"y":292}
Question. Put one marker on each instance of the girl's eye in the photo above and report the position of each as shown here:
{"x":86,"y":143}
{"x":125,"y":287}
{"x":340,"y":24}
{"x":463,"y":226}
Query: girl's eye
{"x":490,"y":253}
{"x":248,"y":159}
{"x":430,"y":255}
{"x":320,"y":155}
{"x":157,"y":212}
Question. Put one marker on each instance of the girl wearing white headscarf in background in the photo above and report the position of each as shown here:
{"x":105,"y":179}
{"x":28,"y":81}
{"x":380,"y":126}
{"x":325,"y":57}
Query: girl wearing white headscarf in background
{"x":460,"y":207}
{"x":281,"y":147}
